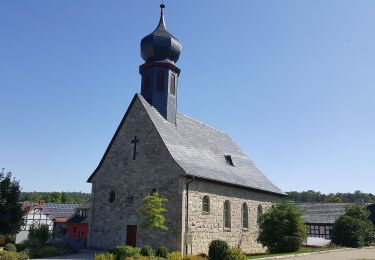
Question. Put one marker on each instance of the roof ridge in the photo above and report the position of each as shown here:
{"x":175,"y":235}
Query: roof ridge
{"x":200,"y":122}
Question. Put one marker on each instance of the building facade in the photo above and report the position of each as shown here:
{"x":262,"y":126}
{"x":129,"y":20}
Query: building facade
{"x":36,"y":216}
{"x":52,"y":214}
{"x":214,"y":190}
{"x":77,"y":225}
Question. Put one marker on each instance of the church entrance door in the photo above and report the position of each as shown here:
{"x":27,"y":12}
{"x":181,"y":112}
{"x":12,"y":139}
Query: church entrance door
{"x":131,"y":235}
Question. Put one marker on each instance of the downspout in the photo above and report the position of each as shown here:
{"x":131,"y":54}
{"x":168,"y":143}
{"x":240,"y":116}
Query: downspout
{"x":187,"y":212}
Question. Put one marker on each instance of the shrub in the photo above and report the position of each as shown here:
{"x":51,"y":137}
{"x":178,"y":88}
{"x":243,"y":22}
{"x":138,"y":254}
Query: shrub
{"x":218,"y":250}
{"x":126,"y":251}
{"x":282,"y":228}
{"x":41,"y":234}
{"x":46,"y":251}
{"x":10,"y":247}
{"x":147,"y":251}
{"x":21,"y":246}
{"x":237,"y":254}
{"x":174,"y":256}
{"x":106,"y":256}
{"x":13,"y":256}
{"x":353,"y":229}
{"x":195,"y":257}
{"x":162,"y":252}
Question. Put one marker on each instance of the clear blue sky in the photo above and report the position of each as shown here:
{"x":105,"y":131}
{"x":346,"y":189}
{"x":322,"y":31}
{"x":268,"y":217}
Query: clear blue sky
{"x":292,"y":82}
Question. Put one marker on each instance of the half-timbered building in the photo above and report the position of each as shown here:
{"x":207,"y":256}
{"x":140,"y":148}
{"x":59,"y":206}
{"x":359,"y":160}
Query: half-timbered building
{"x":52,"y":214}
{"x":36,"y":216}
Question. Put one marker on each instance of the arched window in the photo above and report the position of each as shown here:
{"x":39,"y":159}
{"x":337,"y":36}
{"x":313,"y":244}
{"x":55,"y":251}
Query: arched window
{"x":260,"y":211}
{"x":111,"y":196}
{"x":227,"y":219}
{"x":160,"y":81}
{"x":147,"y":81}
{"x":245,"y":216}
{"x":206,"y":204}
{"x":173,"y":85}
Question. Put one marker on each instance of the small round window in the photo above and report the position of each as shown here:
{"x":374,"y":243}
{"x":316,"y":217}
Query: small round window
{"x":111,"y":196}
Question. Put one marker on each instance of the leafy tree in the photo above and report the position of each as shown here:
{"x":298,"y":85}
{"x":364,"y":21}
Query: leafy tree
{"x":11,"y":212}
{"x":56,"y":197}
{"x":313,"y":196}
{"x":282,"y":228}
{"x":152,"y":212}
{"x":353,"y":229}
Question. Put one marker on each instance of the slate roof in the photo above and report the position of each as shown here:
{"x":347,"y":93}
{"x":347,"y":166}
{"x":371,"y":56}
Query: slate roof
{"x":76,"y":219}
{"x":322,"y":213}
{"x":200,"y":149}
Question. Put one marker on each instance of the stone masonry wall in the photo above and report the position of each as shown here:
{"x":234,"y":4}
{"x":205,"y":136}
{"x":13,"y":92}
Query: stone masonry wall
{"x":207,"y":227}
{"x":132,"y":180}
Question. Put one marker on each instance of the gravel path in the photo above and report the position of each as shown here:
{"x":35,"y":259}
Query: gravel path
{"x":346,"y":254}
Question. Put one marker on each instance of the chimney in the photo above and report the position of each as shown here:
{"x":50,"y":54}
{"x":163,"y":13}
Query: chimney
{"x":41,"y":203}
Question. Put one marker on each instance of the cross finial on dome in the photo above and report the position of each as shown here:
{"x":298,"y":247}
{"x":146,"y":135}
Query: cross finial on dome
{"x":162,"y":5}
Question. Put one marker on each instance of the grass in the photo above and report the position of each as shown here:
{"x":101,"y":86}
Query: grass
{"x":302,"y":250}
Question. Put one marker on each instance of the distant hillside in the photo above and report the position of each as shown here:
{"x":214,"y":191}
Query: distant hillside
{"x":56,"y":197}
{"x":316,"y":196}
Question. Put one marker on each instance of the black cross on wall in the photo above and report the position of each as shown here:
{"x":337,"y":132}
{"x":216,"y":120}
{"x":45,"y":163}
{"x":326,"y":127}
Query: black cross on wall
{"x":135,"y":141}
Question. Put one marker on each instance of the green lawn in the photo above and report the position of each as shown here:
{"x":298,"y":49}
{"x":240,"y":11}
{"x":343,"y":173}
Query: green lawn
{"x":300,"y":251}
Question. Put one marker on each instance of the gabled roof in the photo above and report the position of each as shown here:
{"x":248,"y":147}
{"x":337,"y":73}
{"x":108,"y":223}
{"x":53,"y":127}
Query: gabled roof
{"x":56,"y":210}
{"x":200,"y":151}
{"x":322,"y":213}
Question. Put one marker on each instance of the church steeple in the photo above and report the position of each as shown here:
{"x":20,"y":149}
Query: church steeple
{"x":160,"y":50}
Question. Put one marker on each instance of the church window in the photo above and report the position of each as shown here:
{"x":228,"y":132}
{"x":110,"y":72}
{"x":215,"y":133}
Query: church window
{"x":160,"y":81}
{"x":173,"y":85}
{"x":245,"y":216}
{"x":111,"y":196}
{"x":228,"y":159}
{"x":206,"y":204}
{"x":227,"y":217}
{"x":260,"y":211}
{"x":147,"y":82}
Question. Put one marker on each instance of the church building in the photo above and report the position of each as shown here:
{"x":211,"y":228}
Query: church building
{"x":214,"y":190}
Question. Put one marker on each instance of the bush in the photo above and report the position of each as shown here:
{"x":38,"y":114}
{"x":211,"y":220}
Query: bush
{"x":48,"y":251}
{"x":13,"y":256}
{"x":106,"y":256}
{"x":10,"y":247}
{"x":174,"y":256}
{"x":218,"y":250}
{"x":21,"y":246}
{"x":147,"y":251}
{"x":353,"y":229}
{"x":126,"y":251}
{"x":282,"y":228}
{"x":162,"y":252}
{"x":40,"y":234}
{"x":195,"y":257}
{"x":237,"y":254}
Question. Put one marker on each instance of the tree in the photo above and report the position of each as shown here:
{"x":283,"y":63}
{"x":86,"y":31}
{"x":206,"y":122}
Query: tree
{"x":152,"y":212}
{"x":353,"y":229}
{"x":11,"y":213}
{"x":282,"y":228}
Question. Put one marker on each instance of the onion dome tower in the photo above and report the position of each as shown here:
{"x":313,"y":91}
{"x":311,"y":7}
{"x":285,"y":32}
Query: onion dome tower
{"x":160,"y":50}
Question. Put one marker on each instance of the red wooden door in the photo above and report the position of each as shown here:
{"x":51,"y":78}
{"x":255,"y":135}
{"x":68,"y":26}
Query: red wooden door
{"x":131,"y":235}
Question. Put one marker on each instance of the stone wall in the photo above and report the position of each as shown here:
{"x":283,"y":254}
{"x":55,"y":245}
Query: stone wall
{"x":207,"y":227}
{"x":132,"y":180}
